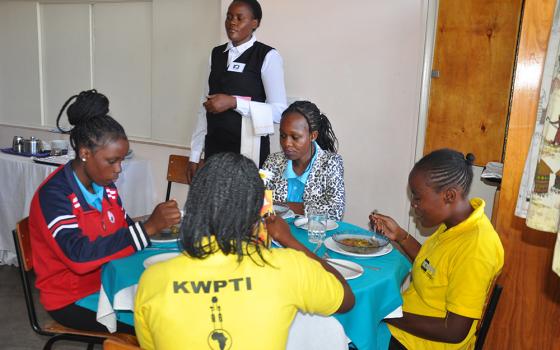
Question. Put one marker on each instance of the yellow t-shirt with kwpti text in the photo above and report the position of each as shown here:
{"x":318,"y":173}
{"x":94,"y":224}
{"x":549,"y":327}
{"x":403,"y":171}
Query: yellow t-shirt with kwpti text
{"x":218,"y":303}
{"x":453,"y":272}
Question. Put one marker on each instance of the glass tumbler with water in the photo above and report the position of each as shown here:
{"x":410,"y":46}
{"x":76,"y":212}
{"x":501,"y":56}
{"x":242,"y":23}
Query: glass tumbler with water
{"x":316,"y":226}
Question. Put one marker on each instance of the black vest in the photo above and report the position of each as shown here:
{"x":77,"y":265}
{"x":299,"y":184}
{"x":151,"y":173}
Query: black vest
{"x":224,"y":129}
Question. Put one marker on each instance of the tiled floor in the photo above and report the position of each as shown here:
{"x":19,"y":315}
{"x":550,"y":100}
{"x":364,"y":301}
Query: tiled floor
{"x":15,"y":330}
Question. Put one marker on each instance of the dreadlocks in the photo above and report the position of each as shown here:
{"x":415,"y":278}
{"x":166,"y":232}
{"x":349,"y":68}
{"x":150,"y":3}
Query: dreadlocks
{"x":224,"y":201}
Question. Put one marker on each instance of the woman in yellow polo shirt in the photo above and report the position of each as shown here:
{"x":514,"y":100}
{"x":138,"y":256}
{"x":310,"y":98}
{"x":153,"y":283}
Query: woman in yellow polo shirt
{"x":453,"y":270}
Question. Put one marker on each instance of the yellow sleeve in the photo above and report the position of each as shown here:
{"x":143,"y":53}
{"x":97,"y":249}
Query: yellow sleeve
{"x":140,"y":323}
{"x":469,"y":282}
{"x":314,"y":289}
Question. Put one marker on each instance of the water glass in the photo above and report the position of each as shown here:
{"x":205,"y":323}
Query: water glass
{"x":316,"y":227}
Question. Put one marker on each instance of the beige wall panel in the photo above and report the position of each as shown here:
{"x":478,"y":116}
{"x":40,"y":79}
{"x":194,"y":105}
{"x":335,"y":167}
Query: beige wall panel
{"x":66,"y":55}
{"x":122,"y":62}
{"x":20,"y":96}
{"x":183,"y":35}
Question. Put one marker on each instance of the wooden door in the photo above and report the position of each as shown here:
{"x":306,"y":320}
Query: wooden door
{"x":471,"y":78}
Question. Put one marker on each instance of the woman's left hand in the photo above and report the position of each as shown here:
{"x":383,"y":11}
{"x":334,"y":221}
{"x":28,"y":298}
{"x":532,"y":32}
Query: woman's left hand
{"x":219,"y":103}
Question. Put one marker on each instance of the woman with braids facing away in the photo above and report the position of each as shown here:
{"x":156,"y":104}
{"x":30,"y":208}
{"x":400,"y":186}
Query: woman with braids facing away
{"x":308,"y":173}
{"x":77,"y":221}
{"x":227,"y":287}
{"x":454,"y":269}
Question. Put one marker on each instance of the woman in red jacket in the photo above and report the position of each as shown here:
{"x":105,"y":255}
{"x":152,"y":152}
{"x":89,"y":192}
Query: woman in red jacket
{"x":76,"y":219}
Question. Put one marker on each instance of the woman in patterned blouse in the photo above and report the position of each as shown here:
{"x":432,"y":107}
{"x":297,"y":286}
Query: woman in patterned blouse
{"x":308,"y":174}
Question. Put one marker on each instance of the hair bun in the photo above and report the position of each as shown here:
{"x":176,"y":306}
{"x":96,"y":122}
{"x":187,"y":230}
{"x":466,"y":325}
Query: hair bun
{"x":88,"y":104}
{"x":469,"y":158}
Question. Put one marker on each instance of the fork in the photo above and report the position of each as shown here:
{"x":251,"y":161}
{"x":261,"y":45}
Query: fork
{"x":374,"y":268}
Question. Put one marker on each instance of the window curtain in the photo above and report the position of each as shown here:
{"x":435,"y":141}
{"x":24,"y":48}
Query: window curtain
{"x":539,"y":193}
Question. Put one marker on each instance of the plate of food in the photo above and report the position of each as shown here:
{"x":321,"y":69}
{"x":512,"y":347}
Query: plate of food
{"x":167,"y":235}
{"x":302,"y":223}
{"x":348,"y":269}
{"x":159,"y":258}
{"x":359,"y":245}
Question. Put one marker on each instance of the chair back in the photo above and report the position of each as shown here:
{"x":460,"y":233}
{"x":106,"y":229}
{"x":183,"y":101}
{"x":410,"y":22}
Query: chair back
{"x":57,"y":332}
{"x":111,"y":344}
{"x":22,"y":242}
{"x":487,"y":316}
{"x":176,"y":171}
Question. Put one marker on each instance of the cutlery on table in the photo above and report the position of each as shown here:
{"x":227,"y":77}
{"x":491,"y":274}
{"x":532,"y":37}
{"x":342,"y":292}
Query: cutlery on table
{"x":374,"y":268}
{"x":343,"y":266}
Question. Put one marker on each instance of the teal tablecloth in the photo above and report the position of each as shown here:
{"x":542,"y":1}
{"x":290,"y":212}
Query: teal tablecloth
{"x":377,"y":292}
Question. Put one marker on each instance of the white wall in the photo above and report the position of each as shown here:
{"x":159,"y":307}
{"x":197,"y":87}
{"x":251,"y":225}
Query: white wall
{"x":361,"y":62}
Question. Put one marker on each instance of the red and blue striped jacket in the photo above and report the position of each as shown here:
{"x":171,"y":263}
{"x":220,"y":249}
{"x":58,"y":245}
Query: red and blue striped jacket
{"x":71,"y":240}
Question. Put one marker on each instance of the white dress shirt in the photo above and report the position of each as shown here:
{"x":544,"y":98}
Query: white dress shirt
{"x":272,"y":75}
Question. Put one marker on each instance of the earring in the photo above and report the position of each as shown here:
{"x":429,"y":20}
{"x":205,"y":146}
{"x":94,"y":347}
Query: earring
{"x":83,"y":160}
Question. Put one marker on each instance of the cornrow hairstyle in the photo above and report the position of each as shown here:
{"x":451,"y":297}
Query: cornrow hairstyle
{"x":93,"y":127}
{"x":316,"y":121}
{"x":446,"y":168}
{"x":224,"y":201}
{"x":254,"y":6}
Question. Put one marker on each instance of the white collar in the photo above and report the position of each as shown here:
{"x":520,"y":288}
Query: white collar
{"x":243,"y":47}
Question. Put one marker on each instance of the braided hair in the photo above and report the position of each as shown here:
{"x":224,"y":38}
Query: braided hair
{"x":93,"y":127}
{"x":316,"y":121}
{"x":224,"y":201}
{"x":447,"y":168}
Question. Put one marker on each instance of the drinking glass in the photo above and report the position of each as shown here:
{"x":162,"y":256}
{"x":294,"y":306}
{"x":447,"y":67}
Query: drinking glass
{"x":316,"y":226}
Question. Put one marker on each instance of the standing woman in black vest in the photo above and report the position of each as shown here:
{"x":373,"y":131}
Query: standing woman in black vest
{"x":246,"y":81}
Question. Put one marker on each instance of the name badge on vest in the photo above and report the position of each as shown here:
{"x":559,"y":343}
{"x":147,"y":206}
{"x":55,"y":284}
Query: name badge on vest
{"x":236,"y":67}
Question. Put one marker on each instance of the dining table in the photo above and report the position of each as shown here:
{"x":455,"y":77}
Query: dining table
{"x":21,"y":176}
{"x":377,"y":294}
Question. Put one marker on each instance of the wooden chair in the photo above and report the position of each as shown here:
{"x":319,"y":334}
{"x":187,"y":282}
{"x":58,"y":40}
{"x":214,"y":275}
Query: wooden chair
{"x":111,"y":344}
{"x":488,"y":314}
{"x":176,"y":171}
{"x":52,"y":329}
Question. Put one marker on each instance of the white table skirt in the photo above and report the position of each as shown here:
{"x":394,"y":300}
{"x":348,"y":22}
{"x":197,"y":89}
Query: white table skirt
{"x":21,"y":177}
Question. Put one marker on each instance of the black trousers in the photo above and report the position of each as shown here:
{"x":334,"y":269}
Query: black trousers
{"x":77,"y":317}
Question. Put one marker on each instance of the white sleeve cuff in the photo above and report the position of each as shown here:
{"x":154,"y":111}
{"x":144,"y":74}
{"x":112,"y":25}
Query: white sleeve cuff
{"x":139,"y":237}
{"x":195,"y":156}
{"x":243,"y":106}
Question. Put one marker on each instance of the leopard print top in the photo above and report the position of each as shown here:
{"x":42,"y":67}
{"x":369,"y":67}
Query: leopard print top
{"x":324,"y":190}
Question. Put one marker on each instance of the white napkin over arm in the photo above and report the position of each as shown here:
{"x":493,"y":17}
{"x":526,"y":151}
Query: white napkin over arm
{"x":260,"y":123}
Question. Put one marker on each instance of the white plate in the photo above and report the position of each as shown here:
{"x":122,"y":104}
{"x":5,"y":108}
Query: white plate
{"x":159,"y":258}
{"x":288,"y":215}
{"x":280,"y":209}
{"x":164,"y":236}
{"x":331,"y":245}
{"x":167,"y":240}
{"x":354,"y":270}
{"x":302,"y":223}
